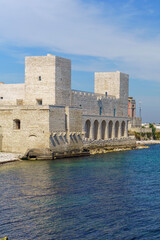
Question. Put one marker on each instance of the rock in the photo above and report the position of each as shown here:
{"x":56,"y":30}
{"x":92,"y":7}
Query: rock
{"x":37,"y":153}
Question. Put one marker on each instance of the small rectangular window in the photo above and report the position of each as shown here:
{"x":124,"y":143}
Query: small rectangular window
{"x":1,"y":97}
{"x":16,"y":124}
{"x":39,"y":101}
{"x":40,"y":79}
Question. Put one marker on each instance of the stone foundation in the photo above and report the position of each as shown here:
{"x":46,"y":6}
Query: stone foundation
{"x":92,"y":147}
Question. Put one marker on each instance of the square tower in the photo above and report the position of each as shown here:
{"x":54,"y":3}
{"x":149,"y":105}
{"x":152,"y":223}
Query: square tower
{"x":47,"y":80}
{"x":112,"y":83}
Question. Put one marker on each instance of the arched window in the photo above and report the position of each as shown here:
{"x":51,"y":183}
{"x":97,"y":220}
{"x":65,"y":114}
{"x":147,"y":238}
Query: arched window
{"x":16,"y":124}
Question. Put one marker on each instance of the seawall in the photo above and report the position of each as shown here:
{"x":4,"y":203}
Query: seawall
{"x":87,"y":148}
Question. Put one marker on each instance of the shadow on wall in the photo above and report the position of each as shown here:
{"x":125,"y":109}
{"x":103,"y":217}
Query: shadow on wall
{"x":62,"y":139}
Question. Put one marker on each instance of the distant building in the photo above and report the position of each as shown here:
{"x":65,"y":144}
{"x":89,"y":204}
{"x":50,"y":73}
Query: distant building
{"x":157,"y":126}
{"x":134,"y":122}
{"x":131,"y":107}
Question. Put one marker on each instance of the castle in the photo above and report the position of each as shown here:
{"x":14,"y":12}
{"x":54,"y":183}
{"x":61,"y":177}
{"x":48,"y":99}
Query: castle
{"x":44,"y":112}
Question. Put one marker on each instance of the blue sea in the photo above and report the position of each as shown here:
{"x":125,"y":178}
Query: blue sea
{"x":106,"y":196}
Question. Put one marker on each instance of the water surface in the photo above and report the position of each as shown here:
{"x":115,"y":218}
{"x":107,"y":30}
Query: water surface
{"x":107,"y":196}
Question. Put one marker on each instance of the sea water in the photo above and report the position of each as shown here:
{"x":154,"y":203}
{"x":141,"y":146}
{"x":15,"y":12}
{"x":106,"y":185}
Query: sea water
{"x":106,"y":196}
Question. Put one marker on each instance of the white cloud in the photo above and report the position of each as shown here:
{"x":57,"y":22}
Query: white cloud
{"x":75,"y":27}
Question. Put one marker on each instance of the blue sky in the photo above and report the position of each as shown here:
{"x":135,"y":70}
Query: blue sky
{"x":96,"y":35}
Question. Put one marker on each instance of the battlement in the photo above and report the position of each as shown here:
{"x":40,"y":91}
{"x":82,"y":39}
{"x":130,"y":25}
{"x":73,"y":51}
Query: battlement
{"x":89,"y":94}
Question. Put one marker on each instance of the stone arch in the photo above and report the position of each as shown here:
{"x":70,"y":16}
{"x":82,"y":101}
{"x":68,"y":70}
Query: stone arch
{"x":87,"y":128}
{"x":32,"y":136}
{"x":95,"y":129}
{"x":123,"y":128}
{"x":103,"y":129}
{"x":110,"y":129}
{"x":116,"y":129}
{"x":16,"y":124}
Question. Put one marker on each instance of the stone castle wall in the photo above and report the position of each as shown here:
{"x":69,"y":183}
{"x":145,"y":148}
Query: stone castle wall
{"x":110,"y":105}
{"x":65,"y":128}
{"x":134,"y":123}
{"x":10,"y":93}
{"x":34,"y":128}
{"x":40,"y":127}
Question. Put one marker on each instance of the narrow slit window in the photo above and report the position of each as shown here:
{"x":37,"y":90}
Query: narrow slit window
{"x":114,"y":112}
{"x":40,"y":79}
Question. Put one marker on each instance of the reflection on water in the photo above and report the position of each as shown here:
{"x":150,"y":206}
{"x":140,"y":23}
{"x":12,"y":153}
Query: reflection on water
{"x":110,"y":196}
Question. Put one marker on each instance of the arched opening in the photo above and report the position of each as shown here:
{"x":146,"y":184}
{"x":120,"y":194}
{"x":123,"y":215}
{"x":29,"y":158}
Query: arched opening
{"x":110,"y":127}
{"x":16,"y":124}
{"x":116,"y":129}
{"x":87,"y":128}
{"x":122,"y":129}
{"x":95,"y":129}
{"x":103,"y":129}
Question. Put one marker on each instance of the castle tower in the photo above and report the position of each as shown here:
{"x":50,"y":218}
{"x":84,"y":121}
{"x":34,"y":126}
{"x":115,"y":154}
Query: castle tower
{"x":47,"y":80}
{"x":112,"y":83}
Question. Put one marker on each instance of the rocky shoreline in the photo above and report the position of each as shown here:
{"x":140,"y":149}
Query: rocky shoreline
{"x":92,"y":150}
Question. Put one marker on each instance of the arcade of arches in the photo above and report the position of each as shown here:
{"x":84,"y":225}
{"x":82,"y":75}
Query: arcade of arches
{"x":96,"y":130}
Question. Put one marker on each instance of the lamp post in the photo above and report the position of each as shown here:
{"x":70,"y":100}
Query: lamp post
{"x":140,"y":109}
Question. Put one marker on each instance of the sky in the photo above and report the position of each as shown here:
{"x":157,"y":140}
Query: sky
{"x":97,"y":35}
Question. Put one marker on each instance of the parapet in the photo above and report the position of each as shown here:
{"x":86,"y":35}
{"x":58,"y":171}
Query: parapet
{"x":90,"y":94}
